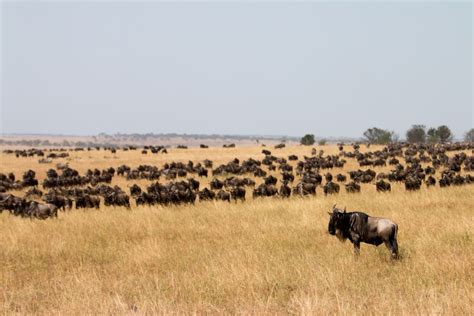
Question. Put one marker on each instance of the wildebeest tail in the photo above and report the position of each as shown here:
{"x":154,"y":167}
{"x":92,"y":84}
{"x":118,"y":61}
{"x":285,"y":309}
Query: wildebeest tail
{"x":395,"y":232}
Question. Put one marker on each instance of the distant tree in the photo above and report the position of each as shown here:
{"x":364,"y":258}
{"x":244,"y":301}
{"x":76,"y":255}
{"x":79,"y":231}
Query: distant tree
{"x":80,"y":144}
{"x":377,"y":135}
{"x":322,"y":142}
{"x":444,"y":134}
{"x":433,"y":135}
{"x":441,"y":134}
{"x":307,"y":140}
{"x":469,"y":136}
{"x":416,"y":134}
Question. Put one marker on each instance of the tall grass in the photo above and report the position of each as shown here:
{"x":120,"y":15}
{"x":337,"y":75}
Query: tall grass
{"x":262,"y":256}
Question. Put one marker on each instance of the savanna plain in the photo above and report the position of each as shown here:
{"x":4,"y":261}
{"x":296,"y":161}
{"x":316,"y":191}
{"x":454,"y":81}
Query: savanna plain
{"x":262,"y":256}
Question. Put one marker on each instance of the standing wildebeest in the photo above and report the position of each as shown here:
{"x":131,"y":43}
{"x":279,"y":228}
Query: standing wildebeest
{"x":42,"y":211}
{"x":359,"y":227}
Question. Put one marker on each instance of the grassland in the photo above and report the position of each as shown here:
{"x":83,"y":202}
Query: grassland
{"x":262,"y":256}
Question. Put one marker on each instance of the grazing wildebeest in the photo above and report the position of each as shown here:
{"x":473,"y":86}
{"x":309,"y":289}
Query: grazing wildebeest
{"x":341,"y":178}
{"x":331,"y":188}
{"x":430,"y":181}
{"x":383,"y":186}
{"x":352,"y":187}
{"x":359,"y":227}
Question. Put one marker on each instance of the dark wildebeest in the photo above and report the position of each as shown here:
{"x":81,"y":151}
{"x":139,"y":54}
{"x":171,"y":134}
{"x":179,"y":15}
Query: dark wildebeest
{"x":238,"y":193}
{"x":359,"y":227}
{"x":331,"y":188}
{"x":223,"y":196}
{"x":383,"y":186}
{"x":285,"y":190}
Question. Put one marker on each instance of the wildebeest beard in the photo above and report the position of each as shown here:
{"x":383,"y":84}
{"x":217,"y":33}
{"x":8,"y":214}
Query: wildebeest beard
{"x":340,"y":235}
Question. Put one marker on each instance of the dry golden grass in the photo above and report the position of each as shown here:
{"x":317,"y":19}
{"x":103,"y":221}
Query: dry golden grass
{"x":261,"y":256}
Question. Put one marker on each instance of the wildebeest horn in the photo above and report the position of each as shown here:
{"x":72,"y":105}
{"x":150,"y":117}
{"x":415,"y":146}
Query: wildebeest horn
{"x":334,"y":206}
{"x":344,"y":209}
{"x":329,"y":213}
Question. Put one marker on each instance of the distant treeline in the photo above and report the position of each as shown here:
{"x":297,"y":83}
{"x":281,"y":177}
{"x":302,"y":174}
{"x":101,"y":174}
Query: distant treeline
{"x":120,"y":139}
{"x":197,"y":136}
{"x":47,"y":143}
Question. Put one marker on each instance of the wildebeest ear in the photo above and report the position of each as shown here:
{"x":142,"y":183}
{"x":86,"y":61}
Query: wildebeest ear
{"x":334,"y":206}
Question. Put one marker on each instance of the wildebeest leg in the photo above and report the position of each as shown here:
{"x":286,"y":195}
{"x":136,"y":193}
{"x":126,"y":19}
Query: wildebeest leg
{"x":357,"y":248}
{"x":394,"y":248}
{"x":356,"y":241}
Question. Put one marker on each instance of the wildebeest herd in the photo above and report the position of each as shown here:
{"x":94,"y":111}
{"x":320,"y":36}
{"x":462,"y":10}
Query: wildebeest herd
{"x":178,"y":183}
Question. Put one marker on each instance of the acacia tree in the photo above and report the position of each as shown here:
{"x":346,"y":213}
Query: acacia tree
{"x":377,"y":135}
{"x":307,"y":140}
{"x":433,"y":135}
{"x":416,"y":134}
{"x":469,"y":136}
{"x":444,"y":134}
{"x":441,"y":134}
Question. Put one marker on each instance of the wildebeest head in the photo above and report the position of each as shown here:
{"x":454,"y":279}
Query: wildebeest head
{"x":336,"y":222}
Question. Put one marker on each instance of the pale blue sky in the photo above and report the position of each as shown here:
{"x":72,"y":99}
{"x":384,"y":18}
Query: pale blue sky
{"x":236,"y":68}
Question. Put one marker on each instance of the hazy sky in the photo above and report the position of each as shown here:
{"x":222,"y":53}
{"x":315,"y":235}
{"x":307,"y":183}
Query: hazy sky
{"x":236,"y":68}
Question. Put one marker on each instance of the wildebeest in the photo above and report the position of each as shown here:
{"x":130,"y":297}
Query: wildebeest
{"x":285,"y":190}
{"x":117,"y":198}
{"x":305,"y":188}
{"x":238,"y":193}
{"x":352,"y":187}
{"x":135,"y":190}
{"x":331,"y":188}
{"x":383,"y":186}
{"x":288,"y":177}
{"x":264,"y":190}
{"x":359,"y":227}
{"x":42,"y":211}
{"x":328,"y":177}
{"x":206,"y":195}
{"x":57,"y":199}
{"x":412,"y":184}
{"x":87,"y":201}
{"x":223,"y":195}
{"x":270,"y":180}
{"x":430,"y":181}
{"x":216,"y":184}
{"x":292,"y":157}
